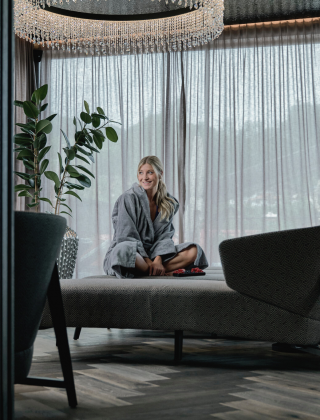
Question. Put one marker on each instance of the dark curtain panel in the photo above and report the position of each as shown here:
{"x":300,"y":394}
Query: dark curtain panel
{"x":24,"y":85}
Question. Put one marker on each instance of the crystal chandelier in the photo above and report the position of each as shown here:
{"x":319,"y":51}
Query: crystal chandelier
{"x":202,"y":23}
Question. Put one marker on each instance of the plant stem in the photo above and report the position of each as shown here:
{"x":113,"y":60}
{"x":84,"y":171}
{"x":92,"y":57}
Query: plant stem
{"x":36,"y":170}
{"x":57,"y":209}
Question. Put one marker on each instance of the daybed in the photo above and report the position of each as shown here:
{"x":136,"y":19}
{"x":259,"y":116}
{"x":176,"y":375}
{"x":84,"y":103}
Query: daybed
{"x":271,"y":292}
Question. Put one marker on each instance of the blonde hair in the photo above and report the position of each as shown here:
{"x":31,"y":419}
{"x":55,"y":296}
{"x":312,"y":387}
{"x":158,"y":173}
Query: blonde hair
{"x":166,"y":205}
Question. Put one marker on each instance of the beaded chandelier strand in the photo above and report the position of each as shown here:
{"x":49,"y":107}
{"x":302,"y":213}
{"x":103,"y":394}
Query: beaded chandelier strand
{"x":201,"y":25}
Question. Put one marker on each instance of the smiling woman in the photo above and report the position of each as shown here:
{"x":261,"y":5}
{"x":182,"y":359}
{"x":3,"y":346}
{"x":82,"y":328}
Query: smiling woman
{"x":143,"y":229}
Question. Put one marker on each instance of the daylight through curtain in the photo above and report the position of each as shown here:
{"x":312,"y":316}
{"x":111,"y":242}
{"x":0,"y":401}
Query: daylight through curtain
{"x":235,"y":123}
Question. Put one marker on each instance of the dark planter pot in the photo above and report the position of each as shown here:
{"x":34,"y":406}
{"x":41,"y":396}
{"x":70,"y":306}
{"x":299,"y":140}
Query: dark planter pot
{"x":37,"y":243}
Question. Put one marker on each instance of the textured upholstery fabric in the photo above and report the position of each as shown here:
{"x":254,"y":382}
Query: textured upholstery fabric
{"x":281,"y":268}
{"x":170,"y":304}
{"x":37,"y":242}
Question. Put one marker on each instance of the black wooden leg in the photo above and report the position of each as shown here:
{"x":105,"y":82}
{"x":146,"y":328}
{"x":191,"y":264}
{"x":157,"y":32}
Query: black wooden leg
{"x":291,"y":348}
{"x":77,"y":332}
{"x":59,"y":325}
{"x":178,"y":342}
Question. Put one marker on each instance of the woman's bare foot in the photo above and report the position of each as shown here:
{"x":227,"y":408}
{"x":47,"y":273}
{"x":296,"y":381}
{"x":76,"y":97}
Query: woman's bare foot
{"x":170,"y":273}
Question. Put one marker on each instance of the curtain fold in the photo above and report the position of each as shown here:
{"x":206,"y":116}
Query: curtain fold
{"x":235,"y":123}
{"x":24,"y":85}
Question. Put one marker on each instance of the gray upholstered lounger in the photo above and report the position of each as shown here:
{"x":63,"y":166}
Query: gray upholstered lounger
{"x":271,"y":293}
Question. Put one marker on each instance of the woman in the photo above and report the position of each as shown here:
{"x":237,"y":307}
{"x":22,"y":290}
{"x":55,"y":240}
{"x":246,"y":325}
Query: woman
{"x":143,"y":229}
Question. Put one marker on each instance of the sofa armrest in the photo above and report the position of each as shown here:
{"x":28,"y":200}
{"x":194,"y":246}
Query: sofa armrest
{"x":281,"y":268}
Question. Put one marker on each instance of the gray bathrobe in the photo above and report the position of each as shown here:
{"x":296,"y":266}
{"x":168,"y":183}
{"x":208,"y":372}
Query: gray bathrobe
{"x":135,"y":232}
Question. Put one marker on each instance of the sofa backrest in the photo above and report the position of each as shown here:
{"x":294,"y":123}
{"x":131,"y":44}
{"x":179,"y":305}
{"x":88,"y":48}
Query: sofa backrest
{"x":281,"y":268}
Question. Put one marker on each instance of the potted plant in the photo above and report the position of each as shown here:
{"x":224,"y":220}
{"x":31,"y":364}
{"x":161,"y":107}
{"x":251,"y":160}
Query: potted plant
{"x":91,"y":131}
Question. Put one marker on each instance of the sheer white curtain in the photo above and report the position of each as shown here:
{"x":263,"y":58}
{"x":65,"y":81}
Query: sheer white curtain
{"x":235,"y":123}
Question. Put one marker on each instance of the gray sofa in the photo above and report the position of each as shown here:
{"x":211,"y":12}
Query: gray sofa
{"x":269,"y":290}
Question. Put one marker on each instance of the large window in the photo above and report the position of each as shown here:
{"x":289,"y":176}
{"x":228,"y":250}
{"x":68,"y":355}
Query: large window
{"x":235,"y":123}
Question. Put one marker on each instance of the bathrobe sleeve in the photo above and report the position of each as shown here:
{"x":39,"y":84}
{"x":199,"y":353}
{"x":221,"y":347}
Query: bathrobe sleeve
{"x":126,"y":224}
{"x":164,"y":245}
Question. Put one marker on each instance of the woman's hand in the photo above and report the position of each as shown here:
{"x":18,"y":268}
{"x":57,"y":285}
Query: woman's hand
{"x":156,"y":268}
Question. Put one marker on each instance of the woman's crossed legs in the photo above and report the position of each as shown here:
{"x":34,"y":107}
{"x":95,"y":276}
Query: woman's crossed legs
{"x":181,"y":260}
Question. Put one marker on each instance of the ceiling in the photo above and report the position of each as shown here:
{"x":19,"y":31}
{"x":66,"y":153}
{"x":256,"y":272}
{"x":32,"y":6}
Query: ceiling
{"x":249,"y":11}
{"x":236,"y":11}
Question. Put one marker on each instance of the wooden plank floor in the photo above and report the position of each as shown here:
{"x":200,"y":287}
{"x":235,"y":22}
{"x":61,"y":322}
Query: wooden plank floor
{"x":130,"y":374}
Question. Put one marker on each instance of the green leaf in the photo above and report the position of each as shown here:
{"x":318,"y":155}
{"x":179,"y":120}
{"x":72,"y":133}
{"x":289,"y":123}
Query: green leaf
{"x":73,"y":193}
{"x":92,"y":148}
{"x":84,"y":180}
{"x":60,"y":199}
{"x":77,"y":187}
{"x":31,"y":133}
{"x":66,"y":138}
{"x":65,"y":212}
{"x":88,"y":139}
{"x":111,"y":134}
{"x":86,"y":106}
{"x":83,"y":151}
{"x":97,"y":141}
{"x":62,"y":204}
{"x":71,"y":154}
{"x":30,"y":109}
{"x":31,"y":182}
{"x":51,"y":117}
{"x":44,"y":165}
{"x":29,"y":164}
{"x":74,"y":121}
{"x":22,"y":136}
{"x":26,"y":153}
{"x":80,"y":136}
{"x":23,"y":175}
{"x":34,"y":97}
{"x":95,"y":121}
{"x":91,"y":158}
{"x":43,"y":152}
{"x":23,"y":125}
{"x":46,"y":199}
{"x":18,"y":103}
{"x":53,"y":177}
{"x":22,"y":142}
{"x":44,"y":125}
{"x":79,"y":123}
{"x":85,"y":117}
{"x":21,"y":187}
{"x":47,"y":129}
{"x":43,"y":107}
{"x":101,"y":117}
{"x":100,"y":110}
{"x":60,"y":163}
{"x":82,"y":158}
{"x":33,"y":204}
{"x":98,"y":133}
{"x":72,"y":171}
{"x":42,"y":92}
{"x":42,"y":141}
{"x":25,"y":194}
{"x":85,"y":170}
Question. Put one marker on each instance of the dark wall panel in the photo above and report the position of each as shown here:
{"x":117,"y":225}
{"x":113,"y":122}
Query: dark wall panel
{"x":6,"y":211}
